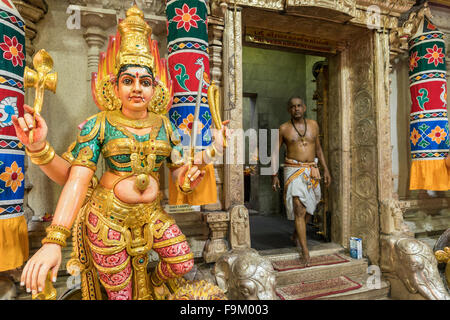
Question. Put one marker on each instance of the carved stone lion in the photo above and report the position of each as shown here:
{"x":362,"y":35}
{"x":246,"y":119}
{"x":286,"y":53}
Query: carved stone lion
{"x":244,"y":275}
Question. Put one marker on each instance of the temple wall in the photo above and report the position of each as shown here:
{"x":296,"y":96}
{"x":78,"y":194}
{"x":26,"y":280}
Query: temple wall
{"x":69,"y":106}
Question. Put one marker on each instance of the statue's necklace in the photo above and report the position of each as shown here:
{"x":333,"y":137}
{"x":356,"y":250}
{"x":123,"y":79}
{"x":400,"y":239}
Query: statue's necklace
{"x":150,"y":121}
{"x":302,"y":136}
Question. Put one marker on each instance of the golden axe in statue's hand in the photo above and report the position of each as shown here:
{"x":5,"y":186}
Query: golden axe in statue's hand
{"x":40,"y":79}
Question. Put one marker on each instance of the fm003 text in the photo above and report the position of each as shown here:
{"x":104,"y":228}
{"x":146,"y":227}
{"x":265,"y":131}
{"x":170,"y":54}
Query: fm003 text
{"x":246,"y":309}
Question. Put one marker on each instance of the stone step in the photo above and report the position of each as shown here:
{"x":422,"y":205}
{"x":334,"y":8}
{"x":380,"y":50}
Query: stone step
{"x":363,"y":293}
{"x":292,"y":252}
{"x":352,"y":268}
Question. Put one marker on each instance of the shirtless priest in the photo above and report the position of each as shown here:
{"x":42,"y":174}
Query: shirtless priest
{"x":301,"y":174}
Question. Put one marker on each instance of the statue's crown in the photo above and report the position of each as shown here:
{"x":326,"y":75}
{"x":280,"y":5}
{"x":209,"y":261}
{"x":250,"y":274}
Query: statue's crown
{"x":135,"y":34}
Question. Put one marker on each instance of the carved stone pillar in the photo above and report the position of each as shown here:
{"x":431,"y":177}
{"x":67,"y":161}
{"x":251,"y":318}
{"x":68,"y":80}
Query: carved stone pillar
{"x":95,"y":21}
{"x":232,"y":84}
{"x":216,"y":245}
{"x":215,"y":35}
{"x":364,"y":217}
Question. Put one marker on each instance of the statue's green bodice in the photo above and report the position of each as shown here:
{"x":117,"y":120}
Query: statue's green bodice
{"x":123,"y":151}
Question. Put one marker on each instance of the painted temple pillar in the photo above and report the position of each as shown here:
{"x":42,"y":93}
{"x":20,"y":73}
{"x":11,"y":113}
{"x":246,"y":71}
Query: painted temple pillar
{"x":32,"y":13}
{"x":404,"y":260}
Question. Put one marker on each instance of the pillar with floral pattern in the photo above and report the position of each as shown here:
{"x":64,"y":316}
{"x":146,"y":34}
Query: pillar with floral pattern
{"x":187,"y":46}
{"x":13,"y":227}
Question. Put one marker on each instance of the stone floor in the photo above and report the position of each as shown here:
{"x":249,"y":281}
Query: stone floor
{"x":274,"y":232}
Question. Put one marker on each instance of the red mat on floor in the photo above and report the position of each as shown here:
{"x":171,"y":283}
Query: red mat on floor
{"x":283,"y":265}
{"x":312,"y":290}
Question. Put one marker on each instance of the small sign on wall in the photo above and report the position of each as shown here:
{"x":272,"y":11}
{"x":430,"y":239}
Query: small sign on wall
{"x":181,"y":208}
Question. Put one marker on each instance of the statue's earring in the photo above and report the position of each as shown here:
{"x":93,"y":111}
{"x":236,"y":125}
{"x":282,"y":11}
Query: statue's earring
{"x":160,"y":99}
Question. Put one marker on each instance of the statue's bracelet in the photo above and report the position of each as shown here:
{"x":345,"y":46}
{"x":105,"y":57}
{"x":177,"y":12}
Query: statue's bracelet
{"x":42,"y":157}
{"x":57,"y":235}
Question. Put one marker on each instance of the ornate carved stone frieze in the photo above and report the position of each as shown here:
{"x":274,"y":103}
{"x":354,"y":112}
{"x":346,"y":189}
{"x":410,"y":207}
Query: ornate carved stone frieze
{"x":399,"y":36}
{"x":277,"y":5}
{"x":394,"y":7}
{"x":155,"y":7}
{"x":335,"y":10}
{"x":357,"y":10}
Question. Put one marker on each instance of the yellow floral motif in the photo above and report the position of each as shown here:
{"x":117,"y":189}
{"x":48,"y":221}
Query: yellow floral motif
{"x":415,"y":136}
{"x":13,"y":176}
{"x":187,"y":123}
{"x":437,"y":135}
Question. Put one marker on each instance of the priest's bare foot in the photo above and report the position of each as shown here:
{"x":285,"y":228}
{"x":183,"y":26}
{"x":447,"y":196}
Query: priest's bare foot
{"x":306,"y":260}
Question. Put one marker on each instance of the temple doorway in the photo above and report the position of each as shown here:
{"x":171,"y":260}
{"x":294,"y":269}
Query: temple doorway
{"x":271,"y":76}
{"x":356,"y":105}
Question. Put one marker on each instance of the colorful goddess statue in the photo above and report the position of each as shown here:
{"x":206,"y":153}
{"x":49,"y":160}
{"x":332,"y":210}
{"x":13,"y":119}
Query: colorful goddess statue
{"x":117,"y":220}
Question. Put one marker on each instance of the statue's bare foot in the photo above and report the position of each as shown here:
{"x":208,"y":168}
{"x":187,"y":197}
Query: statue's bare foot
{"x":161,"y":292}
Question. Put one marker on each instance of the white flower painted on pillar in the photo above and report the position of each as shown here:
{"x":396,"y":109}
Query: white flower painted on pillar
{"x":8,"y":108}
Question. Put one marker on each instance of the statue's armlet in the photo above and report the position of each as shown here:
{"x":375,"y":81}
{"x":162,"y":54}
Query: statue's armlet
{"x":176,"y":159}
{"x":68,"y":156}
{"x":86,"y":150}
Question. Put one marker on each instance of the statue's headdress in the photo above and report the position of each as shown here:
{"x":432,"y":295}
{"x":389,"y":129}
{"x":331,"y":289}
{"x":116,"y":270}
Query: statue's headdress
{"x":132,"y":45}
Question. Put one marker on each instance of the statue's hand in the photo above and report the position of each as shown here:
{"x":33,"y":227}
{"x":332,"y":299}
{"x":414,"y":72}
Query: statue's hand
{"x":48,"y":257}
{"x":25,"y":124}
{"x":195,"y":175}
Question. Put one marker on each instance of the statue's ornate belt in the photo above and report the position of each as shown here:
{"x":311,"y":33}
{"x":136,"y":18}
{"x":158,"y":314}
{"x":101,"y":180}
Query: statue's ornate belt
{"x":135,"y":222}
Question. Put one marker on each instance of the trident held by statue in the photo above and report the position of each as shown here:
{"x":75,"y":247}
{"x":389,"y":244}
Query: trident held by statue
{"x":40,"y":79}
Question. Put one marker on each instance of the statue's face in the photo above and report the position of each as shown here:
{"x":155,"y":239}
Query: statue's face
{"x":135,"y":88}
{"x":296,"y":108}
